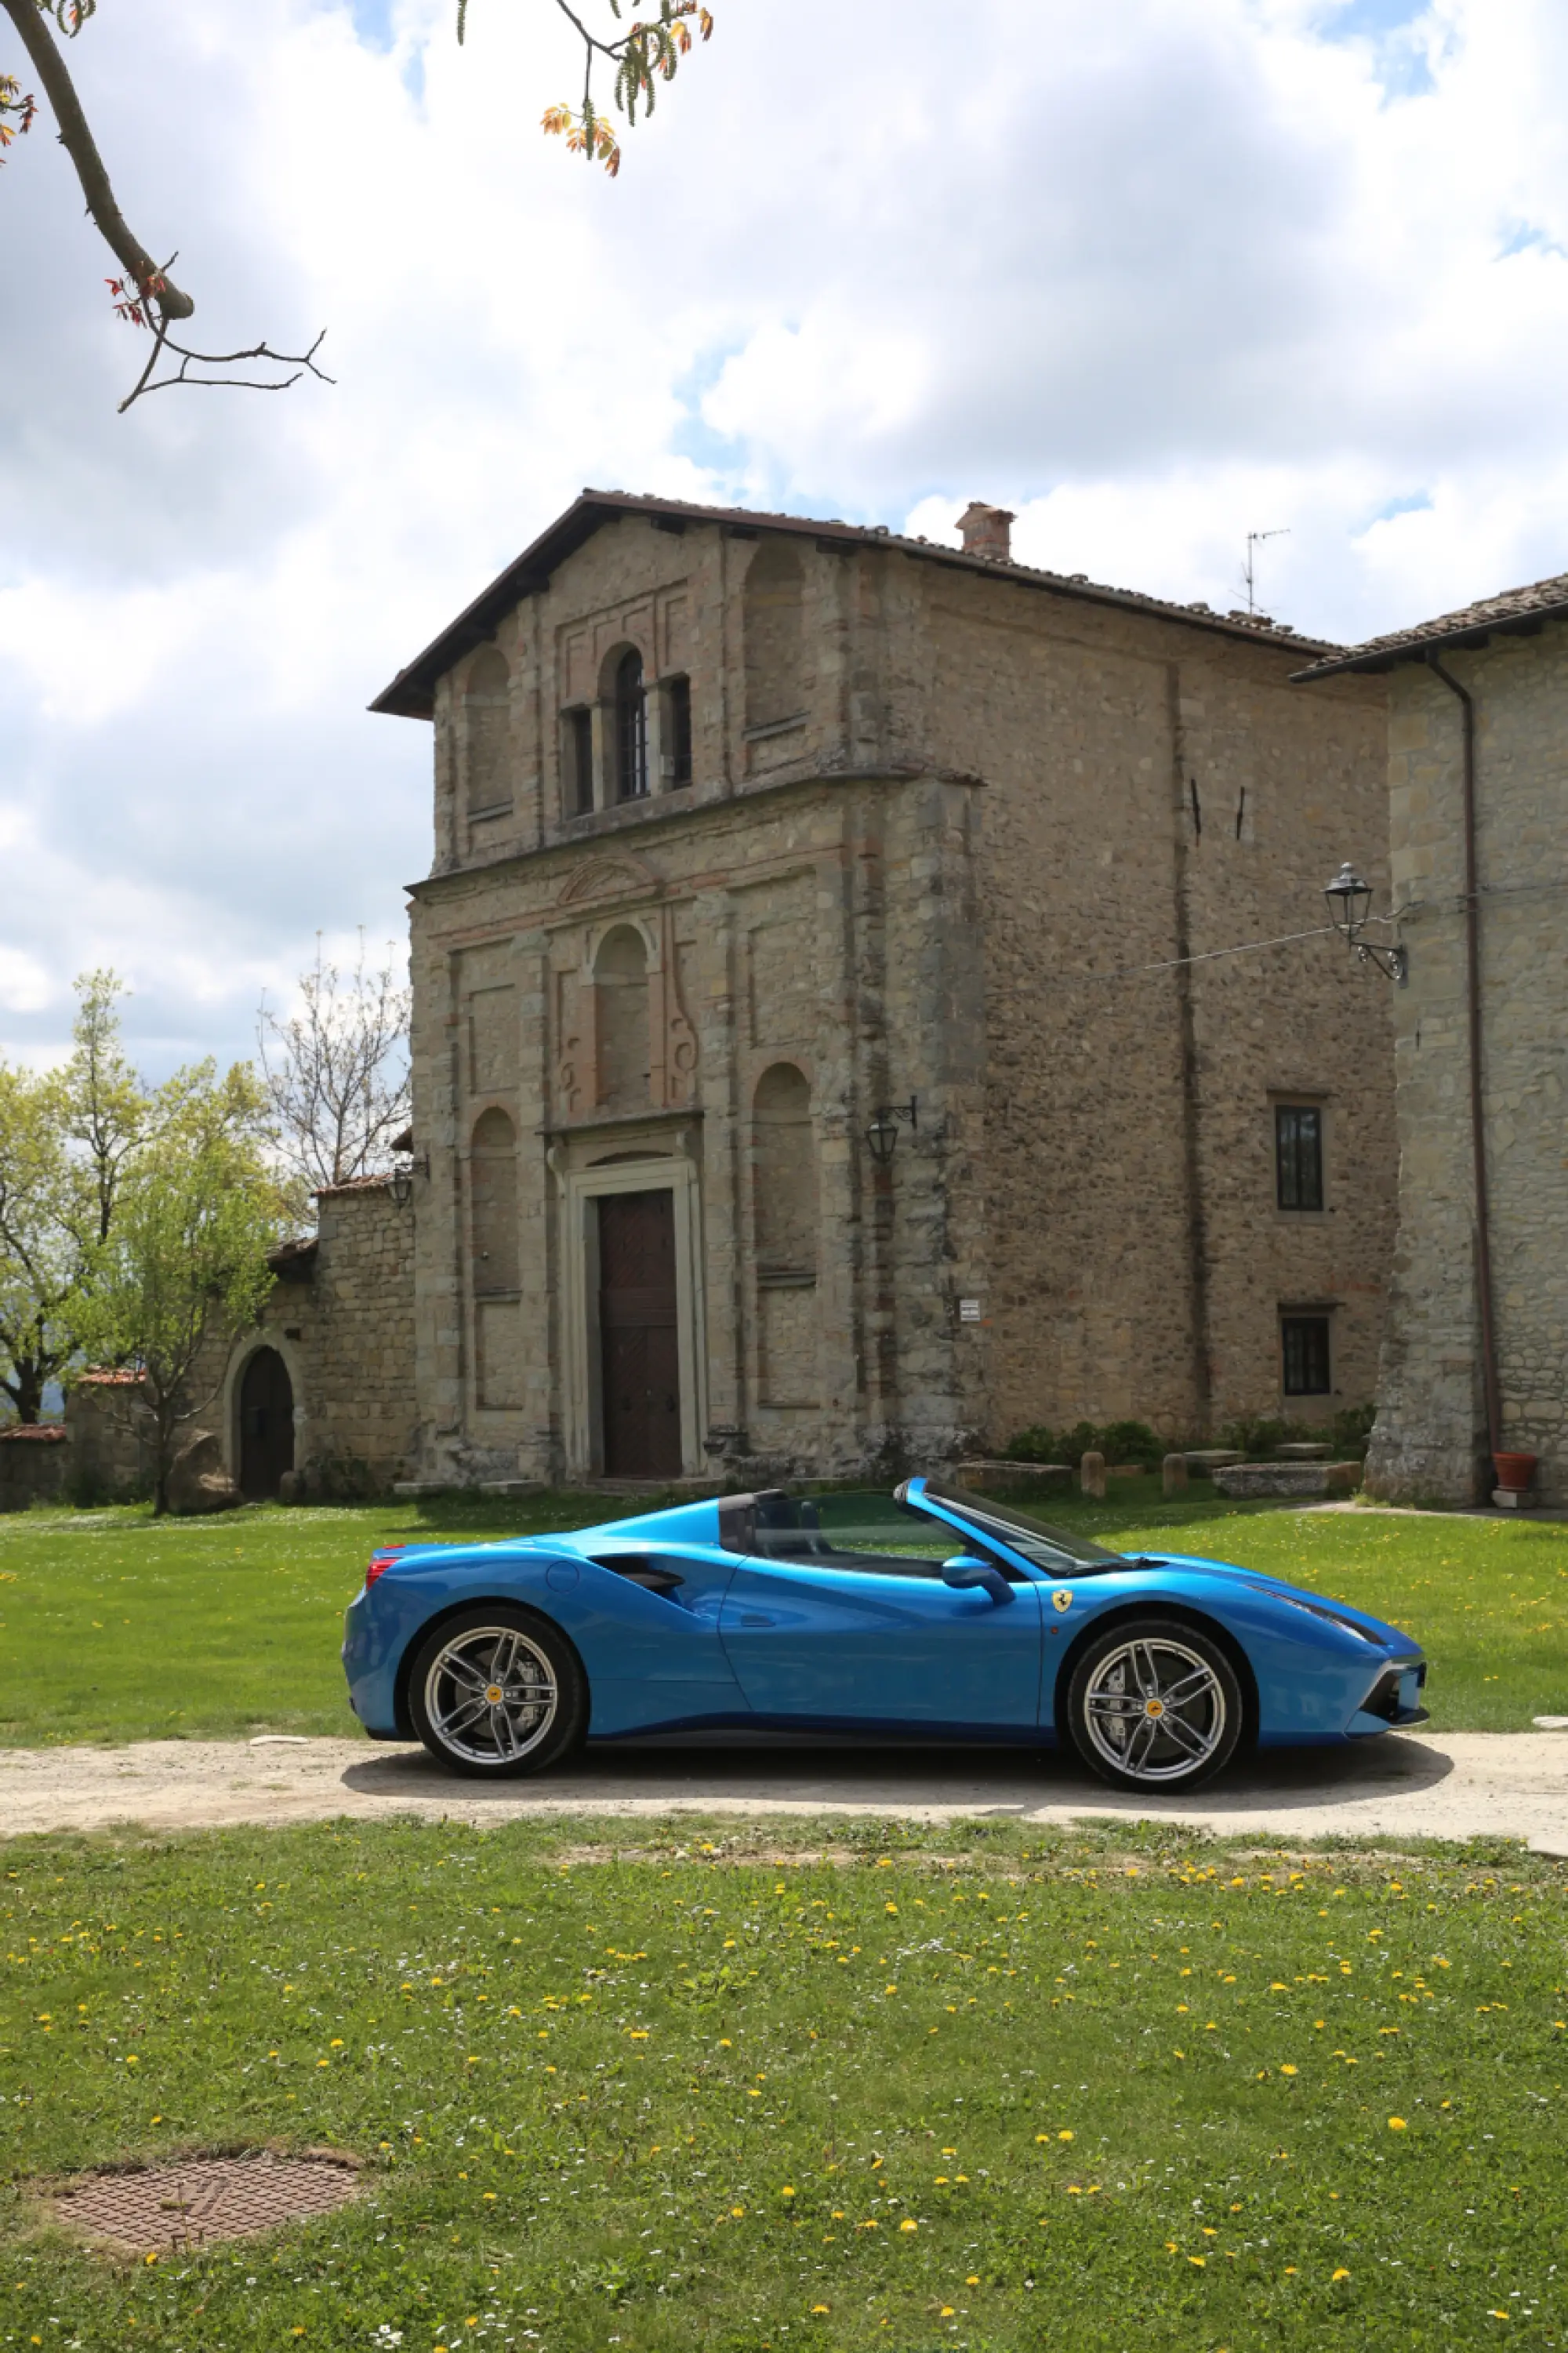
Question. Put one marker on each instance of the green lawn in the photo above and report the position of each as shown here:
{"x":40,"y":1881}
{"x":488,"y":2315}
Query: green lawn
{"x":954,"y":2089}
{"x":116,"y":1626}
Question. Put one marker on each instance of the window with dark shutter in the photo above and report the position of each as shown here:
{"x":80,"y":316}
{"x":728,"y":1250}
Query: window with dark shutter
{"x":631,"y":729}
{"x":1298,"y":1156}
{"x":1304,"y":1341}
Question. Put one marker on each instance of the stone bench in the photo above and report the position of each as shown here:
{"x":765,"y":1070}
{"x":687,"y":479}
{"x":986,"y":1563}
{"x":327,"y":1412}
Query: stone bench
{"x":1247,"y":1482}
{"x":983,"y":1476}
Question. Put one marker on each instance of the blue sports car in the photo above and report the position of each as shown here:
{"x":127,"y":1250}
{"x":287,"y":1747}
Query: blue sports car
{"x":940,"y":1616}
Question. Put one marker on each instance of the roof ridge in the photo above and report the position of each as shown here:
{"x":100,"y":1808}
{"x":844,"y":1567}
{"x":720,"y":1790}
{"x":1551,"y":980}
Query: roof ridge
{"x":411,"y":692}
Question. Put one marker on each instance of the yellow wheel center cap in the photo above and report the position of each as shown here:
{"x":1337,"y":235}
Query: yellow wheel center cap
{"x":495,"y":1695}
{"x":1154,"y":1707}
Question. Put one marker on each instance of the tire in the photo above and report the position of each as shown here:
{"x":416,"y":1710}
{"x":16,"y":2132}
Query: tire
{"x":497,"y":1647}
{"x":1125,"y":1698}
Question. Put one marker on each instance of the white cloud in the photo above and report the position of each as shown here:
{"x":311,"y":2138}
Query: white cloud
{"x":1154,"y":276}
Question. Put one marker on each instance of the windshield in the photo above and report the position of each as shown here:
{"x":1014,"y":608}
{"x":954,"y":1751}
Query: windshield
{"x":1036,"y":1540}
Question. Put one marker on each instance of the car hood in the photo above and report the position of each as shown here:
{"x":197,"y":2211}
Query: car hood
{"x":1255,"y":1580}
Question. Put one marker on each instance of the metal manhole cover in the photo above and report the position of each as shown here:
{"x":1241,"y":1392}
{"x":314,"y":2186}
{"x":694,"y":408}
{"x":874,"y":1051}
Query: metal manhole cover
{"x":190,"y":2204}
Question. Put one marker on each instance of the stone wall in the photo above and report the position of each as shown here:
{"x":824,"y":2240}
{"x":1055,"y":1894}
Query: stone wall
{"x":1431,"y":1439}
{"x":928,"y":811}
{"x":34,"y":1464}
{"x":1152,"y":792}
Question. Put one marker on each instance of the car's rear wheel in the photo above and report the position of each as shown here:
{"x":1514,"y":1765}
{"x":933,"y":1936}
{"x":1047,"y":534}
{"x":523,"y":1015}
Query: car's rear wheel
{"x":1154,"y":1703}
{"x":497,"y":1690}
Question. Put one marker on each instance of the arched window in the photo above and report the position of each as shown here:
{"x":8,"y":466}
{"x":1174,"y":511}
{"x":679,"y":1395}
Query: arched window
{"x":492,"y":1178}
{"x":631,"y":728}
{"x":620,"y":982}
{"x":785,"y":1177}
{"x":775,"y":636}
{"x":487,"y":716}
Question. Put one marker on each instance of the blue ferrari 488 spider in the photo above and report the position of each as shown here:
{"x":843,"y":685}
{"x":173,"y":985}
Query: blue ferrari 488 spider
{"x":941,"y":1616}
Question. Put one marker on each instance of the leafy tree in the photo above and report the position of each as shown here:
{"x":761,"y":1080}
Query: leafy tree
{"x":40,"y":1201}
{"x":184,"y":1266}
{"x":336,"y":1073}
{"x":647,"y":52}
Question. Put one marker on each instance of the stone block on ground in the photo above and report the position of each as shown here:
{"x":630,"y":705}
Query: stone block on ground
{"x":197,"y":1479}
{"x":1174,"y":1474}
{"x":989,"y":1477}
{"x":1091,"y":1476}
{"x":1249,"y":1482}
{"x":1202,"y":1462}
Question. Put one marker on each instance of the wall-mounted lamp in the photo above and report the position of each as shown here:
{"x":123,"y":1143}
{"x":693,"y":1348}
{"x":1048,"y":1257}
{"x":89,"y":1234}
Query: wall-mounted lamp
{"x":882,"y":1136}
{"x":402,"y":1184}
{"x":1348,"y":899}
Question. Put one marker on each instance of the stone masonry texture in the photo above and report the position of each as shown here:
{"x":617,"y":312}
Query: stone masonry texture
{"x":933,"y":818}
{"x":1431,"y":1440}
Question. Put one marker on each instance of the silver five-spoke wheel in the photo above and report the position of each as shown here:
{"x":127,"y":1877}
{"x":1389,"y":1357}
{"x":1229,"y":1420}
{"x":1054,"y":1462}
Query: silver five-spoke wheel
{"x":497,"y":1691}
{"x":1154,"y":1705}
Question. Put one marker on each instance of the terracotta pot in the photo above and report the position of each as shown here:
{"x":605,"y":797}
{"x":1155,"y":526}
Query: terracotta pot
{"x":1514,"y":1472}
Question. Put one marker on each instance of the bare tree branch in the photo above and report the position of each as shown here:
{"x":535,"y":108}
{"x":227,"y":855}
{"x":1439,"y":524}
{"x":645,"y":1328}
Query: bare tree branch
{"x":302,"y":363}
{"x":82,"y":148}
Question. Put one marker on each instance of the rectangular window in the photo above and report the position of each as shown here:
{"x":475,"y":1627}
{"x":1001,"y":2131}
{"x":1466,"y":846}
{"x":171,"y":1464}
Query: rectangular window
{"x":677,"y":746}
{"x":1304,"y":1340}
{"x":578,"y":756}
{"x":1298,"y":1156}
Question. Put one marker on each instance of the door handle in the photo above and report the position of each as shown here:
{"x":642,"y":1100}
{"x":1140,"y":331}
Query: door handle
{"x":756,"y":1618}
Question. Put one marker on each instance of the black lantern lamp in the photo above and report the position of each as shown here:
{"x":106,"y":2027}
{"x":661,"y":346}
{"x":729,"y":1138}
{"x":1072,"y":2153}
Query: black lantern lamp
{"x":1349,"y":901}
{"x":401,"y":1183}
{"x":882,"y":1136}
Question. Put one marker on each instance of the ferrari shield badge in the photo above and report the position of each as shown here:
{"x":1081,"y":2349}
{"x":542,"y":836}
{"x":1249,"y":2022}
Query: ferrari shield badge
{"x":1062,"y":1597}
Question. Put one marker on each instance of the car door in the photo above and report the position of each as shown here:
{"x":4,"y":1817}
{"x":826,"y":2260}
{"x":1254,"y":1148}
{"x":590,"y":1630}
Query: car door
{"x":881,"y":1642}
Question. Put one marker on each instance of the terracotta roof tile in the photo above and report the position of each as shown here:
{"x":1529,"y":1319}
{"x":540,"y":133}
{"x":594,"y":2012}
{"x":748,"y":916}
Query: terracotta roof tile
{"x":1516,"y":612}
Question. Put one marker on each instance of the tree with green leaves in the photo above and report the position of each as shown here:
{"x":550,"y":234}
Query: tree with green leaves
{"x":639,"y":55}
{"x":183,"y":1269}
{"x":40,"y":1252}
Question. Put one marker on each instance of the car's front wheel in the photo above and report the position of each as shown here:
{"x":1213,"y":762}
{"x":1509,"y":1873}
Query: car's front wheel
{"x":496,"y":1691}
{"x":1154,"y":1703}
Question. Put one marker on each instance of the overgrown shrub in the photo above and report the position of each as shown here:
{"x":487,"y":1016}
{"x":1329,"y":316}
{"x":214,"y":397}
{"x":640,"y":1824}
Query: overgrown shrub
{"x":1130,"y":1441}
{"x":1351,"y":1429}
{"x":1031,"y":1445}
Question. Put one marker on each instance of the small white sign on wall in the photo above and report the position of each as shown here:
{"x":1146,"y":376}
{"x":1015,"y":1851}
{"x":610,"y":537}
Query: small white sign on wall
{"x":969,"y":1310}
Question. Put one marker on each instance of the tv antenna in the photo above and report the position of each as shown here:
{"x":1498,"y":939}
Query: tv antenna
{"x":1254,"y":541}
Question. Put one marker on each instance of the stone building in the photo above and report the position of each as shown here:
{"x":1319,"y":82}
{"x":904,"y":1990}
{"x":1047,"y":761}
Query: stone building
{"x":811,"y":1067}
{"x":1477,"y":1352}
{"x":316,"y":1399}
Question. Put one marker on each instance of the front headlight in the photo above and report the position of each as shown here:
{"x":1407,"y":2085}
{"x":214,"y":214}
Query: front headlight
{"x":1330,"y":1617}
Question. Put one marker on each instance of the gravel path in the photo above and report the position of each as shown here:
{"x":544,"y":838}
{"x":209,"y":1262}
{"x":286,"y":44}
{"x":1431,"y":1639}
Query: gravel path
{"x":1465,"y":1785}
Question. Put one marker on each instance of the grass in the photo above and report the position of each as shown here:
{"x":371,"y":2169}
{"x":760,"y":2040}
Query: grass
{"x":850,"y":2088}
{"x":118,"y":1626}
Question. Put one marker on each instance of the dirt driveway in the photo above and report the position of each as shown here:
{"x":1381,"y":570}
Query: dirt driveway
{"x":1467,"y":1784}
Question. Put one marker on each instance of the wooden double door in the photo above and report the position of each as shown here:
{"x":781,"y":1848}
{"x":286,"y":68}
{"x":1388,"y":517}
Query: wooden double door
{"x":639,"y":1351}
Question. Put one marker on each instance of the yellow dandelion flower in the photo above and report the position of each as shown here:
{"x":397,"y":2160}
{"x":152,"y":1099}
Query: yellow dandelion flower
{"x":787,"y":2191}
{"x":1288,"y":2070}
{"x":737,"y":2211}
{"x":947,"y":2312}
{"x":1396,"y":2124}
{"x":909,"y":2223}
{"x":1198,"y":2261}
{"x":1341,"y":2273}
{"x":821,"y":2308}
{"x":1064,"y":2136}
{"x":973,"y":2280}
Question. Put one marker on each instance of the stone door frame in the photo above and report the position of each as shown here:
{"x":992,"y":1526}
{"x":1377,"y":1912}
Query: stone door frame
{"x":580,"y":1191}
{"x":240,"y":1355}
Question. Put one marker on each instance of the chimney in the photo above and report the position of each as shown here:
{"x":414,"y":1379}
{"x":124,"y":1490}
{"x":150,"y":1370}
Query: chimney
{"x":987,"y":531}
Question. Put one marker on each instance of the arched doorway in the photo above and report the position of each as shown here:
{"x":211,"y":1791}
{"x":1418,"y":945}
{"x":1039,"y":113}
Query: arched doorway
{"x":265,"y":1425}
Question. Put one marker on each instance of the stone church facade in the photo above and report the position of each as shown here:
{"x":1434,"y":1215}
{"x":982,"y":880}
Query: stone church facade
{"x":811,"y":1068}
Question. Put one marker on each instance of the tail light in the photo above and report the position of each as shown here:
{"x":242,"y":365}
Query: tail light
{"x":380,"y":1562}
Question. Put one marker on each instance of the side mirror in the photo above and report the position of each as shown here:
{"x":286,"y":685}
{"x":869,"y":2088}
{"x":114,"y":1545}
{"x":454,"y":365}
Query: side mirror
{"x":964,"y":1571}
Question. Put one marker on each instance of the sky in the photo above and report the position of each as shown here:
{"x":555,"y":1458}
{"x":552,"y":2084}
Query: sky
{"x":1154,"y":275}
